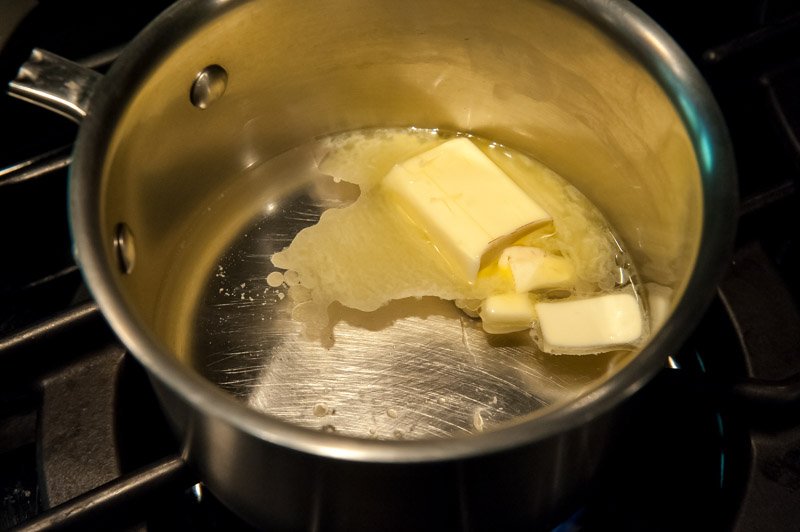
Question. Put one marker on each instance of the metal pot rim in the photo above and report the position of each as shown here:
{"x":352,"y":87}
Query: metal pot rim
{"x":638,"y":33}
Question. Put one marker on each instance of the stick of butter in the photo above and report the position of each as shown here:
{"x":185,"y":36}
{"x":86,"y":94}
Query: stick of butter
{"x":591,"y":325}
{"x":465,"y":203}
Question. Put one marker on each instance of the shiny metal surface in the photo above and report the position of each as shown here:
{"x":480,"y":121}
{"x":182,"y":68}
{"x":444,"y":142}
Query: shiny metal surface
{"x":591,"y":87}
{"x":125,"y":248}
{"x":37,"y":166}
{"x":415,"y":369}
{"x":190,"y":191}
{"x":55,"y":83}
{"x":208,"y":86}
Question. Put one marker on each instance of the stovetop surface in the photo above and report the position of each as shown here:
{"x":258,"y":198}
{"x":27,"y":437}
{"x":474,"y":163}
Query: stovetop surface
{"x":77,"y":412}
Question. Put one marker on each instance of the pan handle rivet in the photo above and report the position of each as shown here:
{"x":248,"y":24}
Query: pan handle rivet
{"x":208,"y":86}
{"x":124,"y":248}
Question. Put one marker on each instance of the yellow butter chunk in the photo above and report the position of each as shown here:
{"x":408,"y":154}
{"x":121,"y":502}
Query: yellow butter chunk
{"x":464,"y":202}
{"x":590,"y":325}
{"x":505,"y":313}
{"x":534,"y":269}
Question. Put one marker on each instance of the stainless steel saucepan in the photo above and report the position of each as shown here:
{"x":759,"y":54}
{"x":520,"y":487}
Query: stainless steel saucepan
{"x":189,"y":172}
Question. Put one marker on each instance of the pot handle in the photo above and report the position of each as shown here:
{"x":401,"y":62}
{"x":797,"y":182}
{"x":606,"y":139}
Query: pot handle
{"x":57,"y":84}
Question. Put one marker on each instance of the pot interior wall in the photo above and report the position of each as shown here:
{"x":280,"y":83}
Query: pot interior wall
{"x":529,"y":74}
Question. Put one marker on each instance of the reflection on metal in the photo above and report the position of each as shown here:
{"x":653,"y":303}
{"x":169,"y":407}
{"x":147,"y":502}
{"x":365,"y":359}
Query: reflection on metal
{"x":69,"y":270}
{"x":124,"y":248}
{"x":208,"y":86}
{"x":101,"y":59}
{"x":672,"y":363}
{"x":700,"y":361}
{"x":197,"y":492}
{"x":55,"y":83}
{"x":37,"y":166}
{"x":414,"y":369}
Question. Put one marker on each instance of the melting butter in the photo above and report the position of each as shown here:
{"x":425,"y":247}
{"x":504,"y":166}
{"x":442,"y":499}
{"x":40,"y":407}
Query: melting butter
{"x":369,"y":253}
{"x":464,"y":202}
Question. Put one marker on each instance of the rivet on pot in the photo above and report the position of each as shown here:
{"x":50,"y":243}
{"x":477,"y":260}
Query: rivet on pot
{"x":208,"y":86}
{"x":124,"y":248}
